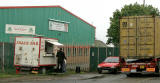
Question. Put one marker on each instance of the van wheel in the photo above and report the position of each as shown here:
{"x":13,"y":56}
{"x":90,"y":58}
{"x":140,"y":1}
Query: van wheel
{"x":129,"y":75}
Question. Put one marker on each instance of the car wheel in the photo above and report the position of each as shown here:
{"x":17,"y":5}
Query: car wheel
{"x":115,"y":71}
{"x":157,"y":73}
{"x":99,"y":71}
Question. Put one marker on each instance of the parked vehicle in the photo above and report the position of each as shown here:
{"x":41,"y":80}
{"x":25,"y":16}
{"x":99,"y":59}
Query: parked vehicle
{"x":112,"y":64}
{"x":139,"y":44}
{"x":35,"y":54}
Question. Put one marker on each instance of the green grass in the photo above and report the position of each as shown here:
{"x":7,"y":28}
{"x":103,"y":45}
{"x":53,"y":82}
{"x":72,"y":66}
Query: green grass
{"x":12,"y":74}
{"x":6,"y":75}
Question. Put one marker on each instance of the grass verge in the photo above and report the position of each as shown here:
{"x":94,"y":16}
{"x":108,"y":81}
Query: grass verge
{"x":13,"y":74}
{"x":7,"y":75}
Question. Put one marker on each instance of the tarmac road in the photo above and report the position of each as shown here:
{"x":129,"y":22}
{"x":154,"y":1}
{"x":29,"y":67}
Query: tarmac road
{"x":94,"y":78}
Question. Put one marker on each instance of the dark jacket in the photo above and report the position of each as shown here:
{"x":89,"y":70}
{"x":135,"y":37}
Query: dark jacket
{"x":61,"y":56}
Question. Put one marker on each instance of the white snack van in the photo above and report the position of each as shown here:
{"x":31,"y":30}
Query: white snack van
{"x":35,"y":54}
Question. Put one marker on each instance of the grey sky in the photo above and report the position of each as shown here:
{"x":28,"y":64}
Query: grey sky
{"x":96,"y":12}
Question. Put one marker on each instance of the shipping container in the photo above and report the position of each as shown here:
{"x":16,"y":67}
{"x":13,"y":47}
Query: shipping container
{"x":139,"y":44}
{"x":140,"y":36}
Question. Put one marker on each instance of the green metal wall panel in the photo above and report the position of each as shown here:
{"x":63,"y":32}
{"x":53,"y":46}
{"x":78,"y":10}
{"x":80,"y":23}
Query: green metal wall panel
{"x":99,"y":54}
{"x":102,"y":54}
{"x":116,"y":51}
{"x":93,"y":58}
{"x":79,"y":32}
{"x":8,"y":50}
{"x":110,"y":51}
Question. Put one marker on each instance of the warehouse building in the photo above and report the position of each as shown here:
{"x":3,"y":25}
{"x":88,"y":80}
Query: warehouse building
{"x":74,"y":33}
{"x":77,"y":35}
{"x":46,"y":21}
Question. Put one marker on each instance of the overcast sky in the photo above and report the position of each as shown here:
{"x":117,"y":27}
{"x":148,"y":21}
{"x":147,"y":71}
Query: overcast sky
{"x":96,"y":12}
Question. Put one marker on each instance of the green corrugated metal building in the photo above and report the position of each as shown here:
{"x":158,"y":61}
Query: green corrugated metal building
{"x":75,"y":30}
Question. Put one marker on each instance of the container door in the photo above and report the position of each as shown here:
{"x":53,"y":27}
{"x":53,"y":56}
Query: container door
{"x":137,"y":37}
{"x":128,"y":37}
{"x":145,"y":36}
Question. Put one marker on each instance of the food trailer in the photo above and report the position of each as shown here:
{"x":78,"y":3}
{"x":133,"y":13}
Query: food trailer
{"x":35,"y":54}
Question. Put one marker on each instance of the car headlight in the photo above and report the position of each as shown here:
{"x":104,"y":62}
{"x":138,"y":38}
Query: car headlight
{"x":99,"y":66}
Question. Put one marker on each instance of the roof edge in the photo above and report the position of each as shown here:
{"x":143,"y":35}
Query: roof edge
{"x":77,"y":17}
{"x":9,"y":7}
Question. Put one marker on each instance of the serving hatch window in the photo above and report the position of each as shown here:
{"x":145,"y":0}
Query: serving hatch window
{"x":48,"y":47}
{"x":51,"y":47}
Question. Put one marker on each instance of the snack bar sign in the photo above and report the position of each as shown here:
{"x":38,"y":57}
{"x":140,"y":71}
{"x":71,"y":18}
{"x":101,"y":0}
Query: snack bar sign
{"x":58,"y":26}
{"x":19,"y":29}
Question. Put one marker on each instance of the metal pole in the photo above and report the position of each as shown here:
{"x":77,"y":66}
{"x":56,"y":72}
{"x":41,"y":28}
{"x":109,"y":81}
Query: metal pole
{"x":113,"y":51}
{"x":106,"y":52}
{"x":144,"y":2}
{"x":3,"y":59}
{"x":98,"y":55}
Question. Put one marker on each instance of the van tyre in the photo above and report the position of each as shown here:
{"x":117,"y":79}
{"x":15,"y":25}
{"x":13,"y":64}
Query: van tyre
{"x":129,"y":75}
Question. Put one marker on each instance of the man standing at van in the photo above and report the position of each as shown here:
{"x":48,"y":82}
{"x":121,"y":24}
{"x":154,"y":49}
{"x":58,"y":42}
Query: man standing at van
{"x":61,"y":57}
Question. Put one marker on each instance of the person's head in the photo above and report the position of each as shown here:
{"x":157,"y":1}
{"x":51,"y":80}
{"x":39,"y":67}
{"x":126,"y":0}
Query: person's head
{"x":60,"y":49}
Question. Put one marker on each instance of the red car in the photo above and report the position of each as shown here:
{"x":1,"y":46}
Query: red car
{"x":112,"y":64}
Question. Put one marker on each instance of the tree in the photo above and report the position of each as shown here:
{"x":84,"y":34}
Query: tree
{"x":128,"y":10}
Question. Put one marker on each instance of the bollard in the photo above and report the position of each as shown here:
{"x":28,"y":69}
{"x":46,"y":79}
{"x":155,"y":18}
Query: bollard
{"x":78,"y":70}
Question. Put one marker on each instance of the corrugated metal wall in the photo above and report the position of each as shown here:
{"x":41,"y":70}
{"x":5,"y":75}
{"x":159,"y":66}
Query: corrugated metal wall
{"x":84,"y":56}
{"x":78,"y":33}
{"x":6,"y":57}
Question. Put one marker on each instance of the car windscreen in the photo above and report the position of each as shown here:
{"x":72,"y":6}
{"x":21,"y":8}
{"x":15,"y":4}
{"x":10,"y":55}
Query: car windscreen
{"x":111,"y":60}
